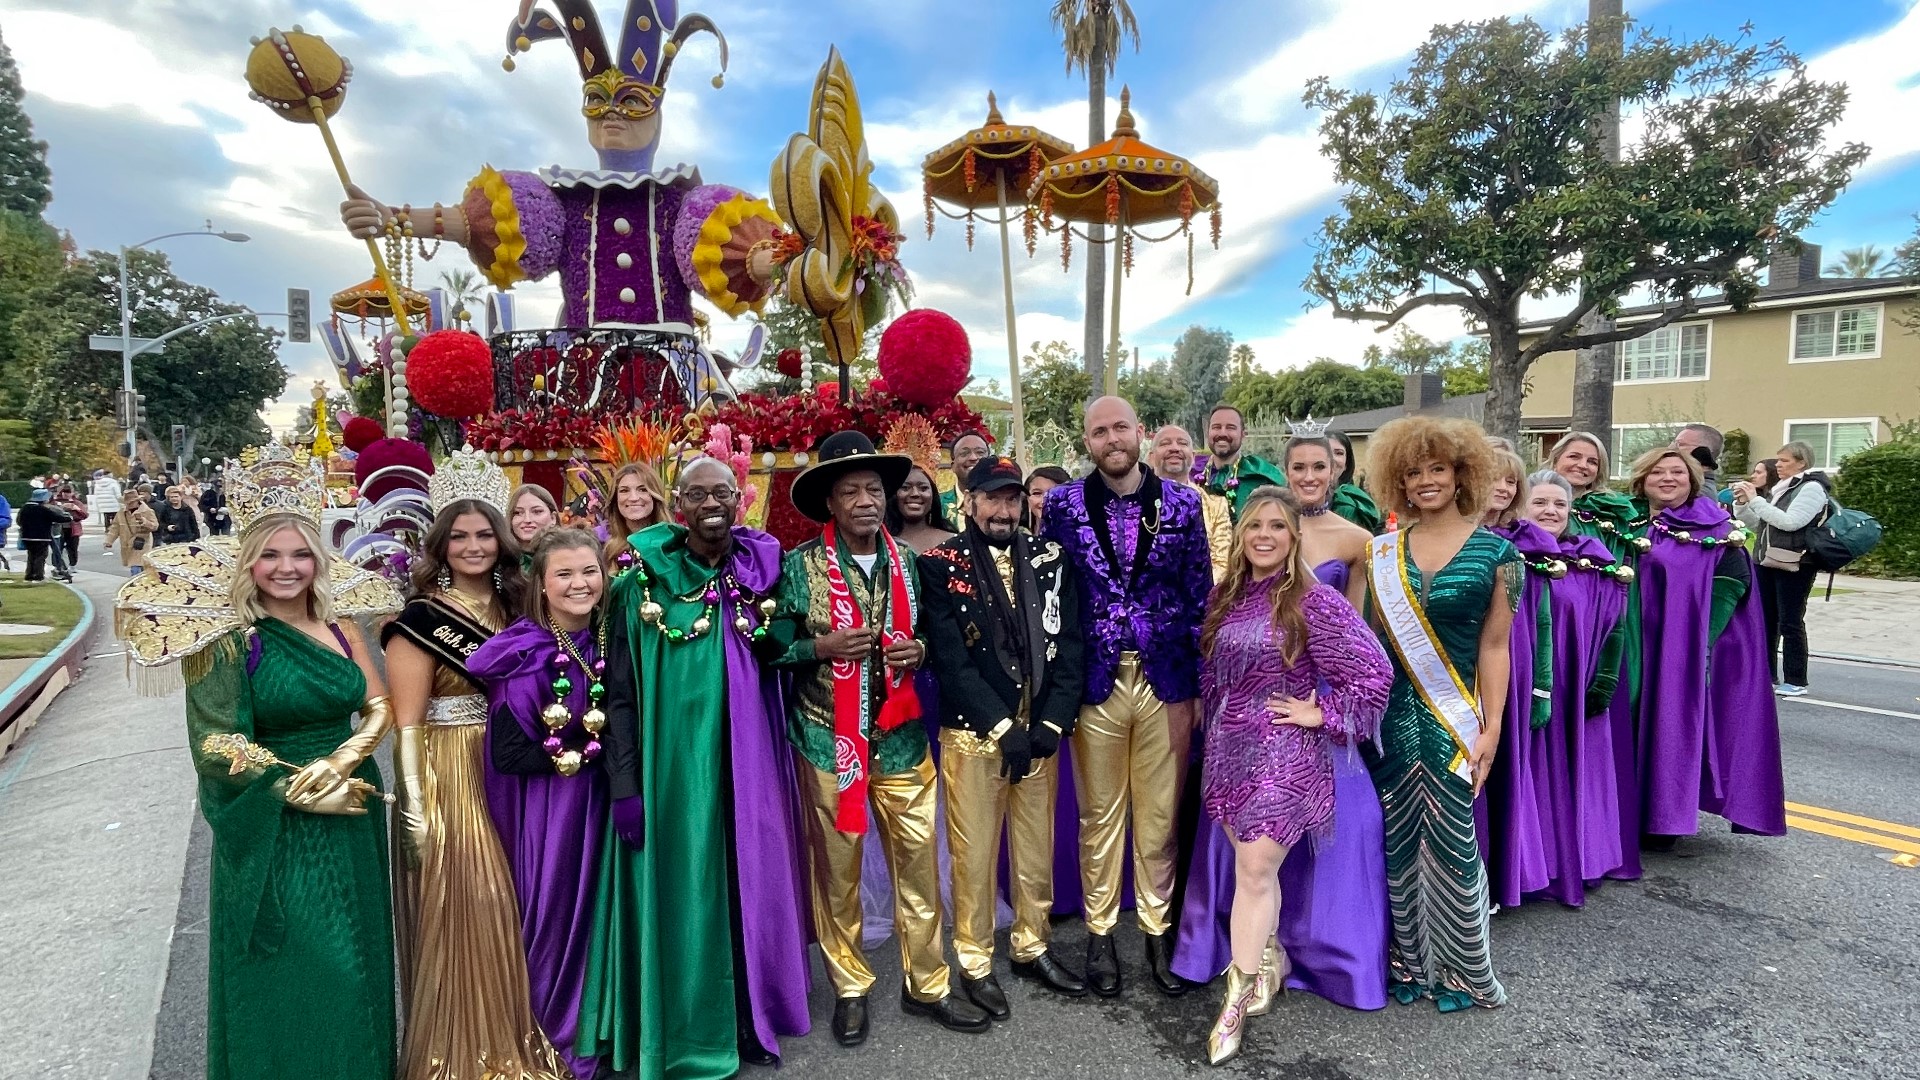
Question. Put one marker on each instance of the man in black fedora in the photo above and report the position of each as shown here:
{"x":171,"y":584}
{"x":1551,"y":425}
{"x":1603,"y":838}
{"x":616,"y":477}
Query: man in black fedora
{"x":1003,"y":617}
{"x":847,"y":626}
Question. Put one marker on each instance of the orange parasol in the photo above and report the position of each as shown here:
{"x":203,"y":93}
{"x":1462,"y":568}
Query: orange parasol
{"x":1125,"y":183}
{"x":372,"y":301}
{"x":973,"y":172}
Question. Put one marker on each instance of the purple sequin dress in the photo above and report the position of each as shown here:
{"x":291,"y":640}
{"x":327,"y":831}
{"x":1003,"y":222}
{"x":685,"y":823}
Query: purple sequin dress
{"x":1264,"y":779}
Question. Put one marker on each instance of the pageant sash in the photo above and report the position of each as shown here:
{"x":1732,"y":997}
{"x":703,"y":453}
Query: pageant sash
{"x":852,"y":705}
{"x":444,"y":633}
{"x":1421,"y":656}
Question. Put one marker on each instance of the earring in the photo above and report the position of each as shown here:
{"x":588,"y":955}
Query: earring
{"x":496,"y":579}
{"x":446,"y":578}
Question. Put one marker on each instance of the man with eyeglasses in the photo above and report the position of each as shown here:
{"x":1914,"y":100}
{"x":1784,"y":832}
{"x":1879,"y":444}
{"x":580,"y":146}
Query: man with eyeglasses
{"x":702,"y":783}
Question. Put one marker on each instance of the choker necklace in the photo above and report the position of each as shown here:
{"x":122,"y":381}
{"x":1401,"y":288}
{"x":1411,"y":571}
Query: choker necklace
{"x":1316,"y":511}
{"x":566,"y":760}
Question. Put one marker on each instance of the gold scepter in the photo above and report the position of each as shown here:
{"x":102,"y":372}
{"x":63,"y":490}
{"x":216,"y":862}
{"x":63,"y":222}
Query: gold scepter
{"x":247,"y":756}
{"x":299,"y":76}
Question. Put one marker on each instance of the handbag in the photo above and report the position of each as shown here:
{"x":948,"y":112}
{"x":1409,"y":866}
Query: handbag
{"x":1779,"y":558}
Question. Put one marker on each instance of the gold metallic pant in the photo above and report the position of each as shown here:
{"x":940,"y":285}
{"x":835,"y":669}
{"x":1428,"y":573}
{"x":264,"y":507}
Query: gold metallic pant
{"x":903,"y":814}
{"x":979,"y":801}
{"x":1123,"y":763}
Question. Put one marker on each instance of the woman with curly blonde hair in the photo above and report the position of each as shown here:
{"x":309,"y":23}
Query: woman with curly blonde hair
{"x":1443,"y":590}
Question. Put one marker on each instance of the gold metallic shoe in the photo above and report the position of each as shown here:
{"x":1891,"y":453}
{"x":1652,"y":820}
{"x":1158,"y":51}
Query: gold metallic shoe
{"x":1271,"y":988}
{"x":1223,"y":1042}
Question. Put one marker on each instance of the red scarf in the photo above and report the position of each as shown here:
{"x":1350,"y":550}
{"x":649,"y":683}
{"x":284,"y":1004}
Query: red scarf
{"x":851,"y":702}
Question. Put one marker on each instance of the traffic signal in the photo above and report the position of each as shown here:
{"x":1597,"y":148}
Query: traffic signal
{"x":139,"y":411}
{"x":299,"y":315}
{"x":179,"y":441}
{"x":122,"y":415}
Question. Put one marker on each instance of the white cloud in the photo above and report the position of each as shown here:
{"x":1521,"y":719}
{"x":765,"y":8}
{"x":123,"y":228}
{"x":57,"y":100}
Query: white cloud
{"x":1882,"y":73}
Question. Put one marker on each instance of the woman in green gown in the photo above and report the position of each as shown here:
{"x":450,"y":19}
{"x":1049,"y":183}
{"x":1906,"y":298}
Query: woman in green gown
{"x":1348,"y":499}
{"x":300,"y":928}
{"x":1444,"y":591}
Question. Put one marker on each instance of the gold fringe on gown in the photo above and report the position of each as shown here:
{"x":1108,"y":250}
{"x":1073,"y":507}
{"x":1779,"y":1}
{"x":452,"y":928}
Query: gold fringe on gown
{"x":468,"y":1009}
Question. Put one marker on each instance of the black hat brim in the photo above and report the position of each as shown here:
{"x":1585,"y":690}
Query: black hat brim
{"x":811,"y":487}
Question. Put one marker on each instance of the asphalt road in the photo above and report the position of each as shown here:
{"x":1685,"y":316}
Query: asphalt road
{"x":1736,"y":956}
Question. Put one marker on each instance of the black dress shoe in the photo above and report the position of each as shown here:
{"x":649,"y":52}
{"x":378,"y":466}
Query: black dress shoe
{"x":1047,"y":970}
{"x":987,"y":994}
{"x":752,"y":1053}
{"x":1655,"y":842}
{"x":850,"y":1020}
{"x":1160,"y":964}
{"x":952,"y":1012}
{"x":1103,"y":965}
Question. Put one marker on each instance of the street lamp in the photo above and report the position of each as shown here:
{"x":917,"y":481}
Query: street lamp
{"x":126,"y":325}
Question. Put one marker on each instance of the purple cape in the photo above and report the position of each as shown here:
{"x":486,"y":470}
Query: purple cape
{"x":550,"y":827}
{"x":1709,"y":732}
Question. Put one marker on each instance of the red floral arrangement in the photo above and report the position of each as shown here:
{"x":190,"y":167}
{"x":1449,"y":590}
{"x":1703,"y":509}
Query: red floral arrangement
{"x":450,"y":374}
{"x":557,"y":428}
{"x":360,"y":432}
{"x":789,"y":363}
{"x":799,"y":422}
{"x":925,"y":357}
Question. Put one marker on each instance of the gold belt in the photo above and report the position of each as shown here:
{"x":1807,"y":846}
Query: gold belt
{"x":462,"y":711}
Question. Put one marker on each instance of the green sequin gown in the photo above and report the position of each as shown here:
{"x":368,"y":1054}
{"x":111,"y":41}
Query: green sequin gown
{"x":300,"y":928}
{"x":1436,"y":883}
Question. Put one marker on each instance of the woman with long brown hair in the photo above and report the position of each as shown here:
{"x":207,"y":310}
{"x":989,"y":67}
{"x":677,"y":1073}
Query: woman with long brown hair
{"x":638,"y":501}
{"x":1287,"y":667}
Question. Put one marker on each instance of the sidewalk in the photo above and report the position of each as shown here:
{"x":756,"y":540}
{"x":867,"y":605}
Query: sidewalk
{"x":1867,"y":617}
{"x":95,"y":802}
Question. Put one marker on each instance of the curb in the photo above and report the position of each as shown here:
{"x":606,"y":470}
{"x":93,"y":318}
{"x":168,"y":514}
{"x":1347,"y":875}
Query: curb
{"x":1875,"y":661}
{"x":27,"y":697}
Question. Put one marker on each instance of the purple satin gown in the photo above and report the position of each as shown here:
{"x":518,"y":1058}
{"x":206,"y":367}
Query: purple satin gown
{"x":1333,"y":892}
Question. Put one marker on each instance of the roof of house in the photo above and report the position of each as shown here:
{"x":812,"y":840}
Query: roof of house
{"x":1823,"y":290}
{"x":1465,"y":407}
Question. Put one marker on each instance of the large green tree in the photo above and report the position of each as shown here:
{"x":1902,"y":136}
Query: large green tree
{"x":1461,"y":365}
{"x":26,"y":184}
{"x":30,"y":258}
{"x":214,"y":380}
{"x":1478,"y":179}
{"x":1201,"y":361}
{"x":1054,"y":386}
{"x":1156,"y":394}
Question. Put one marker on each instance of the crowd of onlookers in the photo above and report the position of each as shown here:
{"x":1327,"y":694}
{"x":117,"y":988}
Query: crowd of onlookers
{"x":136,"y":514}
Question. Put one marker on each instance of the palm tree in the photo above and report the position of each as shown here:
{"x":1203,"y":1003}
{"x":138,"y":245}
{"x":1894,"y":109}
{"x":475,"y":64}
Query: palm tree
{"x":463,"y":288}
{"x":1091,"y":33}
{"x":1861,"y":262}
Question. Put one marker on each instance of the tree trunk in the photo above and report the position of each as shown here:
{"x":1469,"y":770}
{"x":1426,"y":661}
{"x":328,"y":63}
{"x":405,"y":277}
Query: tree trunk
{"x":1093,"y":254}
{"x":1506,"y":379}
{"x":1593,"y":368}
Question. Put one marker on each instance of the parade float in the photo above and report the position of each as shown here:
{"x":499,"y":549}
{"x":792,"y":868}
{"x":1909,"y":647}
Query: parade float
{"x":628,"y":374}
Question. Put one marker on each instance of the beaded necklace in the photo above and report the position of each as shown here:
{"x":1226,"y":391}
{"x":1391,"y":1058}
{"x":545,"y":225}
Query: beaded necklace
{"x":566,"y":760}
{"x":1605,"y":525}
{"x":1558,"y":568}
{"x":1738,"y":535}
{"x":653,"y":614}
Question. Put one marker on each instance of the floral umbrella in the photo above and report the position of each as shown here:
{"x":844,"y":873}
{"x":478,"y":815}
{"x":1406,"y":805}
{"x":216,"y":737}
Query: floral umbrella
{"x":974,"y":172}
{"x":1125,"y":183}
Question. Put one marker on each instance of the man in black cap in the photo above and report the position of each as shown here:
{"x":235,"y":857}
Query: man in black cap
{"x":1003,"y":620}
{"x":847,"y":626}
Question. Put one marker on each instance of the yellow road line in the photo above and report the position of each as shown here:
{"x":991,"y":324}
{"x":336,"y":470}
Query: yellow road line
{"x":1858,"y":836}
{"x":1854,"y":819}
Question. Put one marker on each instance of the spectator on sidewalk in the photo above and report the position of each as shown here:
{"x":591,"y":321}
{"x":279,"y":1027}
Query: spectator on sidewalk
{"x":133,"y":530}
{"x":1696,"y":437}
{"x":40,"y":521}
{"x":104,"y":495}
{"x":6,"y":523}
{"x":1782,"y":524}
{"x":213,"y":506}
{"x":178,"y":522}
{"x":68,"y":499}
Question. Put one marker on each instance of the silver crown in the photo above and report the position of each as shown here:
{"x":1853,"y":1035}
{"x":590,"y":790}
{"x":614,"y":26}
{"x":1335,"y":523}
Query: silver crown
{"x":1307,"y":429}
{"x":275,"y":479}
{"x":468,"y":475}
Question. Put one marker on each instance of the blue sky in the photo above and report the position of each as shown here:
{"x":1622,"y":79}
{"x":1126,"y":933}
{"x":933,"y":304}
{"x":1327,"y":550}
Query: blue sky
{"x":151,"y":131}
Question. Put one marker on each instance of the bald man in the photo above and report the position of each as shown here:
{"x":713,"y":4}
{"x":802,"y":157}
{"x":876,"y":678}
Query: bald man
{"x":1172,"y":461}
{"x":1139,"y":545}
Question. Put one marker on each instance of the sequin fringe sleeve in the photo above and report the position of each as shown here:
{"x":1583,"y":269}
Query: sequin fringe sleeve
{"x":1349,"y":664}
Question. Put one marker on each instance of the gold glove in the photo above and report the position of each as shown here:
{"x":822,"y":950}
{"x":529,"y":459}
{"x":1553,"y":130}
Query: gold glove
{"x":410,"y":759}
{"x":321,"y":777}
{"x":346,"y":800}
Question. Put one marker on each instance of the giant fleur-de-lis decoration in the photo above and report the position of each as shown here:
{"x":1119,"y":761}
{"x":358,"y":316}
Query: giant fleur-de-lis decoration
{"x":848,"y":234}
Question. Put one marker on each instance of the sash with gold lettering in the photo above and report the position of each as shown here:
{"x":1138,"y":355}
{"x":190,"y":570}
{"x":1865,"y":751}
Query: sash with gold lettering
{"x":444,"y":633}
{"x":1420,"y":652}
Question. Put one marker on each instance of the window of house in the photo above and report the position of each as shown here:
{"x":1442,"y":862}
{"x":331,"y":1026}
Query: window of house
{"x":1833,"y":440}
{"x":1671,"y":352}
{"x":1847,"y":333}
{"x":1632,"y":440}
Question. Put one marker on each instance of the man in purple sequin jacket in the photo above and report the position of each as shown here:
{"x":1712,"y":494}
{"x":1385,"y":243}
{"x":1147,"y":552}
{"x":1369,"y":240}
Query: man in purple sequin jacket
{"x":630,"y":243}
{"x":1140,"y":551}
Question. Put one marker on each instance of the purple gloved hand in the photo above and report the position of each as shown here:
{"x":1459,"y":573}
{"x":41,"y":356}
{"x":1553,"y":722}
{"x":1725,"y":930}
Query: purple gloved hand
{"x":630,"y":821}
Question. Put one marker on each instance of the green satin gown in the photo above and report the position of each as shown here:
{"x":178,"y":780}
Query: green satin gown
{"x":300,"y":927}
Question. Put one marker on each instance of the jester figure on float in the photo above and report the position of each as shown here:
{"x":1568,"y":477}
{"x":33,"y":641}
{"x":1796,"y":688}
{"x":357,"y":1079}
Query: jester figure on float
{"x":630,"y":242}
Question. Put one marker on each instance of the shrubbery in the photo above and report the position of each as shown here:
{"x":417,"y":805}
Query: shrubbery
{"x":1884,"y":481}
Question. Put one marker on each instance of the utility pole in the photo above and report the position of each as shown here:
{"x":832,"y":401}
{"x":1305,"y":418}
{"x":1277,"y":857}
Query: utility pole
{"x":1593,"y":369}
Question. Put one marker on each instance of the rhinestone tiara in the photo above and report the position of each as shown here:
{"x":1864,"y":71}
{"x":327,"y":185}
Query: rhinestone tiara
{"x":468,"y":475}
{"x":275,"y":479}
{"x":1308,"y":428}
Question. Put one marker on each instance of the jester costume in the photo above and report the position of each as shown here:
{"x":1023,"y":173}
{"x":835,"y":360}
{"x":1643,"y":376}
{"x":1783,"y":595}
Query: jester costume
{"x":700,"y":936}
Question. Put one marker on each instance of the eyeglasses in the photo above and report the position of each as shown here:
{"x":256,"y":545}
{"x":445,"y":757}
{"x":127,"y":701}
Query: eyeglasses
{"x":699,"y":496}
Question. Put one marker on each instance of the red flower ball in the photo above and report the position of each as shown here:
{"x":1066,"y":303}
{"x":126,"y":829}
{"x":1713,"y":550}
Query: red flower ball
{"x":925,"y":357}
{"x":387,"y":453}
{"x":878,"y":386}
{"x":790,"y":362}
{"x":450,"y":373}
{"x":360,"y":432}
